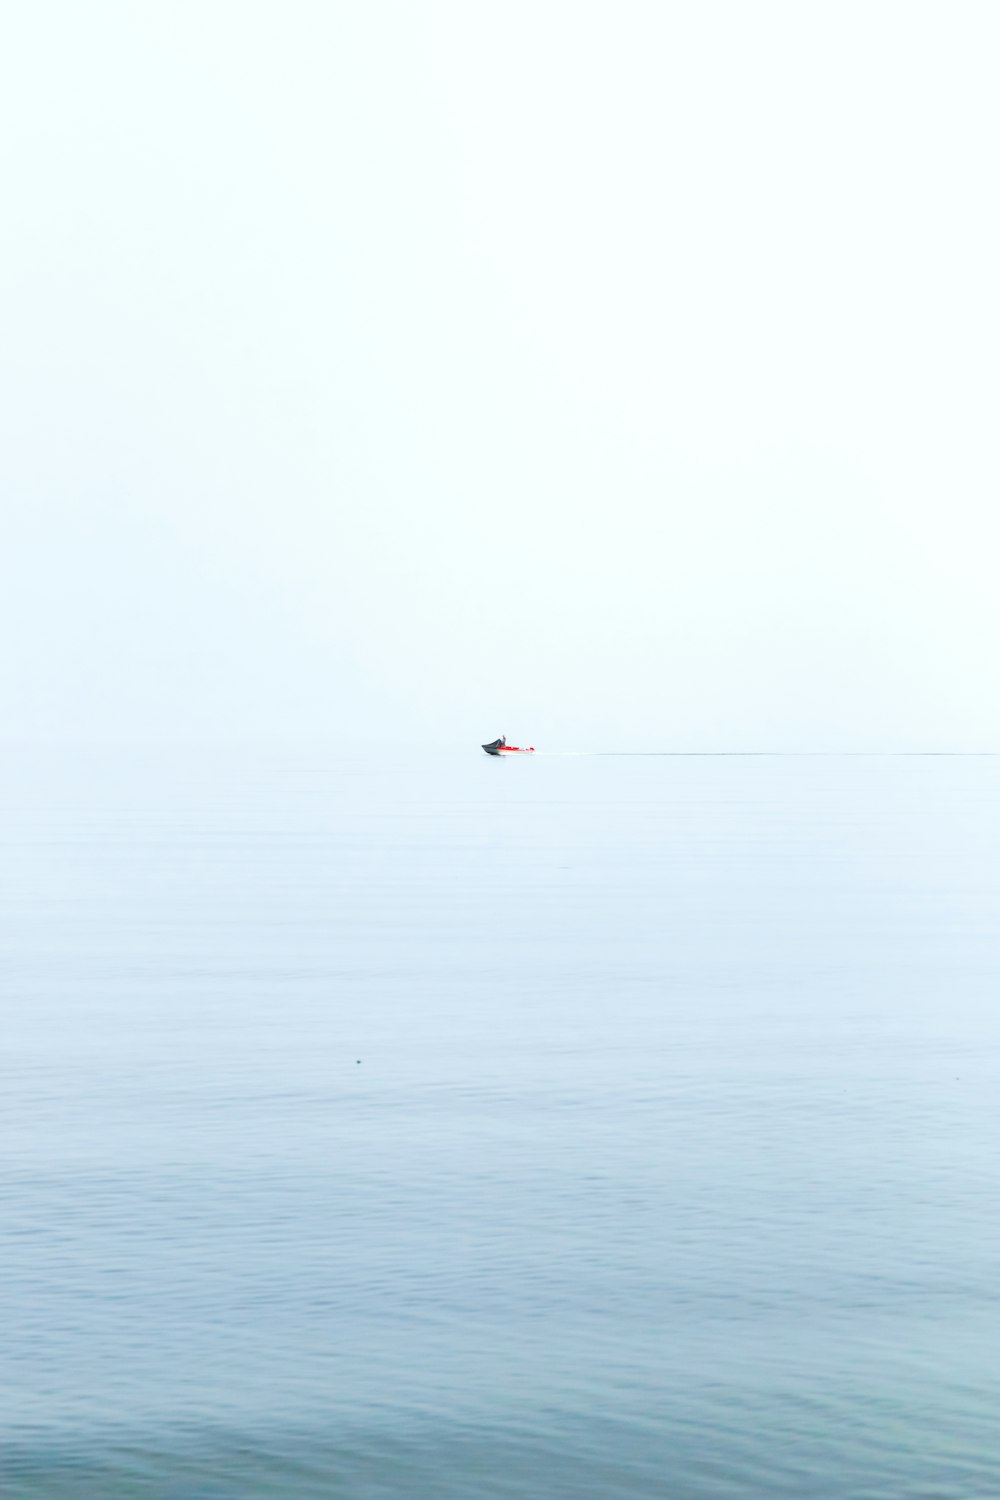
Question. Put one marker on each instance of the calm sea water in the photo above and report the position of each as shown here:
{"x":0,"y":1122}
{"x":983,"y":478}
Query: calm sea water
{"x":451,"y":1127}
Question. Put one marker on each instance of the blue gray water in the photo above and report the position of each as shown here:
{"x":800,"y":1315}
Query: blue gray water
{"x":449,"y":1127}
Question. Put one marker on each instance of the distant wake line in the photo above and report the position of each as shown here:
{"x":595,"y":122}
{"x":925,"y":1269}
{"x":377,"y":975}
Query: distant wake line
{"x":782,"y":754}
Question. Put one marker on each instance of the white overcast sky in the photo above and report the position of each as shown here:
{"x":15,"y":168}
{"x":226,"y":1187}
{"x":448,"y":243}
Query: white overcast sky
{"x":614,"y":372}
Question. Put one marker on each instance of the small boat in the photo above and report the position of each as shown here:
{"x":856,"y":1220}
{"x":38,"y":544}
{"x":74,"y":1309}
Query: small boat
{"x":501,"y":747}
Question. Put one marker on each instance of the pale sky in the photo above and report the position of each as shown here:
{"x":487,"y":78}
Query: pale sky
{"x":622,"y":374}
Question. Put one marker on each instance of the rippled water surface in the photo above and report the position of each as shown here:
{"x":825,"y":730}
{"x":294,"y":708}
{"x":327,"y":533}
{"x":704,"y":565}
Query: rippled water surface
{"x":444,"y":1126}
